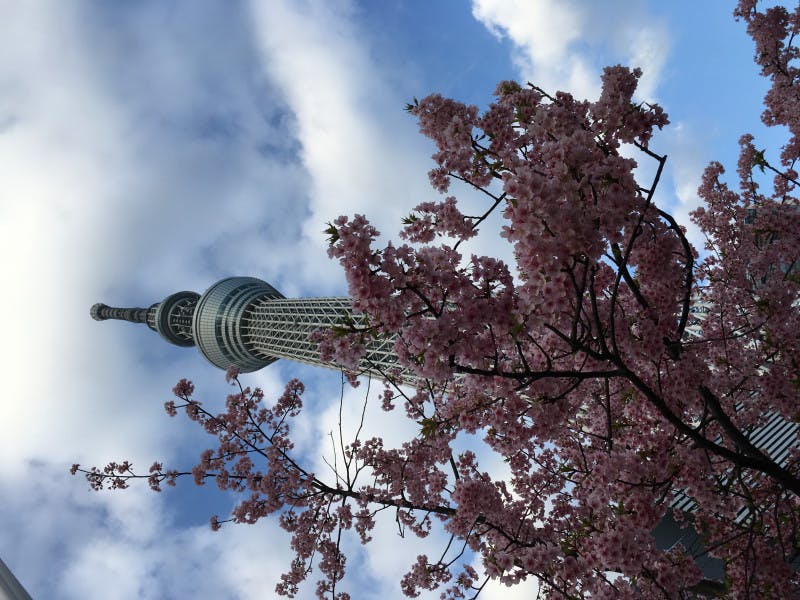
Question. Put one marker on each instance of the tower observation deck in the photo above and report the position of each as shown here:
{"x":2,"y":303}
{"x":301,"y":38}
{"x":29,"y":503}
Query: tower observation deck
{"x":245,"y":322}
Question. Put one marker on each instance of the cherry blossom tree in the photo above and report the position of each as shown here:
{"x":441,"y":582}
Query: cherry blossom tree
{"x":574,"y":363}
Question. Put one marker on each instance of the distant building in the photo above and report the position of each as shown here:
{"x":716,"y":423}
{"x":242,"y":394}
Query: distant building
{"x":775,"y":438}
{"x":10,"y":587}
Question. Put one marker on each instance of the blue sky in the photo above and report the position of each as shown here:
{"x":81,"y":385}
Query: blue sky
{"x":151,"y":147}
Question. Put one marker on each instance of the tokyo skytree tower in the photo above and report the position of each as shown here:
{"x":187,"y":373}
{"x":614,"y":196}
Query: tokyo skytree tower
{"x":245,"y":322}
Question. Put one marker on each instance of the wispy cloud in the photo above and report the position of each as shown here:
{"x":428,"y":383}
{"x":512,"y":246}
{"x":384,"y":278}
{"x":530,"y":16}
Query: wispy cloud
{"x":564,"y":44}
{"x":361,"y":152}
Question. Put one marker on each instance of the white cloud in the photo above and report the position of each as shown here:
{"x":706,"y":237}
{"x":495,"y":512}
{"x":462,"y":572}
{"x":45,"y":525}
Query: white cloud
{"x":495,"y":590}
{"x":686,"y":165}
{"x":560,"y":45}
{"x":125,"y":545}
{"x":111,"y":191}
{"x":55,"y":156}
{"x":543,"y":33}
{"x":361,"y":152}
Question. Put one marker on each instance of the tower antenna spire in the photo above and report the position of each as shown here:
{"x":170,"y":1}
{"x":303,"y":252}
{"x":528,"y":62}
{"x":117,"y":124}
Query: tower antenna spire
{"x":171,"y":318}
{"x":247,"y":323}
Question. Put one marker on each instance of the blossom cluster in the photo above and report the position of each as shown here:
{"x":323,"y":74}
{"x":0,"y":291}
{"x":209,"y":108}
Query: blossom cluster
{"x":573,"y":364}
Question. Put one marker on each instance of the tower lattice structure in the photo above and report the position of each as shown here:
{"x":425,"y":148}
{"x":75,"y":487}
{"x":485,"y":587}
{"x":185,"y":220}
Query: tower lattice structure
{"x":246,"y":323}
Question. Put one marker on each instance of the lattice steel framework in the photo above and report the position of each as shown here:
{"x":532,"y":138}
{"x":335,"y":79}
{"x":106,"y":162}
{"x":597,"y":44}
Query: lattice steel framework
{"x":776,"y":438}
{"x":244,"y":321}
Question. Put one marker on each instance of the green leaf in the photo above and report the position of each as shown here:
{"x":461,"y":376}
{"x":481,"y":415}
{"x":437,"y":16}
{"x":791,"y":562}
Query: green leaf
{"x":410,"y":107}
{"x":333,"y":234}
{"x":759,"y":160}
{"x":429,"y":427}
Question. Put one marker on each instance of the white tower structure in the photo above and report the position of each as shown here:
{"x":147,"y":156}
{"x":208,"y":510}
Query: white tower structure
{"x":247,"y":323}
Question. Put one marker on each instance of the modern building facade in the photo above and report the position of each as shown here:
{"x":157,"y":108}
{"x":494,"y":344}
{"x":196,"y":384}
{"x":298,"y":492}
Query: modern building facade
{"x":10,"y":587}
{"x":247,"y":323}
